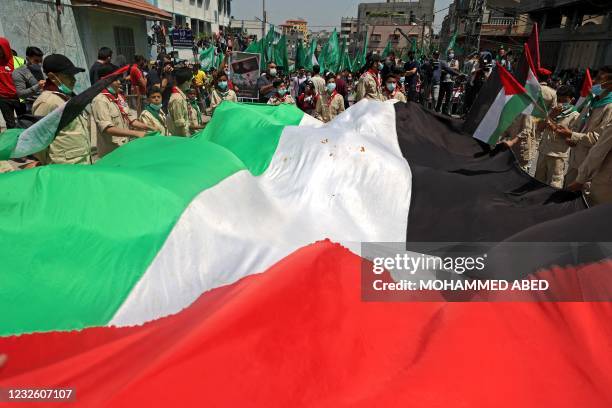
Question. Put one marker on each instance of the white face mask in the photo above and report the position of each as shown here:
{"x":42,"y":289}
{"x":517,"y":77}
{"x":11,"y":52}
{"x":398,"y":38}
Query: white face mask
{"x":273,"y":71}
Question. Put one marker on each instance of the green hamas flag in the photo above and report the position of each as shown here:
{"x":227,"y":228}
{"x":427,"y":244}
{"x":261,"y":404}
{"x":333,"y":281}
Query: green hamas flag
{"x":268,"y":45}
{"x":280,"y":53}
{"x":207,"y":58}
{"x":387,"y":50}
{"x":300,"y":56}
{"x":311,"y":57}
{"x":364,"y":53}
{"x":330,"y":55}
{"x":452,"y":42}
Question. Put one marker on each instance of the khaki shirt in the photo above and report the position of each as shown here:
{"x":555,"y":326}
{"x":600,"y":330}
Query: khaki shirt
{"x":328,"y":108}
{"x":597,"y":166}
{"x":180,"y":114}
{"x":549,"y":95}
{"x":368,"y":88}
{"x":106,"y":114}
{"x":587,"y":136}
{"x":148,"y":119}
{"x":287,"y":99}
{"x":523,"y":127}
{"x":553,"y":145}
{"x":217,"y":97}
{"x":72,"y":145}
{"x":397,"y":95}
{"x":319,"y":84}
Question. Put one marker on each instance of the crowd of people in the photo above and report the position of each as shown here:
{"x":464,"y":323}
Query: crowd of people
{"x":568,"y":148}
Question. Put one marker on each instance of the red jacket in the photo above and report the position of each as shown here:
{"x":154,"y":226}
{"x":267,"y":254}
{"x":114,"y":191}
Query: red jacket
{"x":7,"y":87}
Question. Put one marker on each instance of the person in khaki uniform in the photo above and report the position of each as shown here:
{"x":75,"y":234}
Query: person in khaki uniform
{"x":593,"y":119}
{"x":196,"y":121}
{"x":519,"y":137}
{"x":180,"y":112}
{"x":72,"y":144}
{"x":116,"y":124}
{"x":330,"y":103}
{"x":391,"y":91}
{"x":597,"y":169}
{"x":369,"y":83}
{"x":153,"y":115}
{"x":221,"y":92}
{"x":553,"y":150}
{"x":282,"y":94}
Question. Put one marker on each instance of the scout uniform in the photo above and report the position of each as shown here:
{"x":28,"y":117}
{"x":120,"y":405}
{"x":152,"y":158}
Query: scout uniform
{"x":72,"y":144}
{"x":195,"y":119}
{"x":523,"y":127}
{"x":368,"y":87}
{"x":593,"y":119}
{"x":554,"y":151}
{"x":155,"y":119}
{"x":396,"y":94}
{"x":216,"y":97}
{"x":109,"y":110}
{"x":597,"y":168}
{"x":329,"y":106}
{"x":277,"y":100}
{"x":180,"y":114}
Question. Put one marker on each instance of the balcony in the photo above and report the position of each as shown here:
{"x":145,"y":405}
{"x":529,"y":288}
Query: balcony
{"x":502,"y":21}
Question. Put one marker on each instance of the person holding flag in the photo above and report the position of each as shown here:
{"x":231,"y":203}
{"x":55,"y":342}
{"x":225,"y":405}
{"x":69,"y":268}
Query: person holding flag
{"x":72,"y":145}
{"x":596,"y":118}
{"x":153,"y":115}
{"x":116,"y":123}
{"x":553,"y":150}
{"x":391,"y":90}
{"x":586,"y":130}
{"x":369,"y":85}
{"x":330,"y":103}
{"x":221,"y":92}
{"x":180,"y":111}
{"x":281,"y":95}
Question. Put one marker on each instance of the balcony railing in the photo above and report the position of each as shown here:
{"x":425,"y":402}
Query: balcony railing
{"x":502,"y":21}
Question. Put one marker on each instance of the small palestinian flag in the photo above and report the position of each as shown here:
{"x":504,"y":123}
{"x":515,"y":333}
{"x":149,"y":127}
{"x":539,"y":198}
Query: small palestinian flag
{"x":15,"y":143}
{"x":510,"y":102}
{"x":585,"y":92}
{"x":202,"y":271}
{"x":538,"y":107}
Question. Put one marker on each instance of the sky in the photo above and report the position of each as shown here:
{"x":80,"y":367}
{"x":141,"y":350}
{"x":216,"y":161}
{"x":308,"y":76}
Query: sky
{"x":320,"y":14}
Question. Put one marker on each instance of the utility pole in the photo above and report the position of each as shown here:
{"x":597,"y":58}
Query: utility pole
{"x":423,"y":33}
{"x":263,"y":22}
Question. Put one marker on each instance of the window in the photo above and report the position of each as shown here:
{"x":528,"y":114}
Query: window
{"x":124,"y":42}
{"x":375,"y":37}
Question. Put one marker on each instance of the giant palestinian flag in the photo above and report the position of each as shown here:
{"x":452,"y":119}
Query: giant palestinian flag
{"x":224,"y":270}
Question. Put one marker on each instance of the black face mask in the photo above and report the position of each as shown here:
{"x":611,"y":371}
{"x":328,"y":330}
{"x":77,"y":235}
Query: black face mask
{"x":36,"y":71}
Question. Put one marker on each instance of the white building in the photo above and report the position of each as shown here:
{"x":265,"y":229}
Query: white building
{"x":203,"y":16}
{"x":252,"y":28}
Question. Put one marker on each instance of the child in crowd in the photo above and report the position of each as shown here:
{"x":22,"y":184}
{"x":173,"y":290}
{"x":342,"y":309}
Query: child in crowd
{"x":153,"y":114}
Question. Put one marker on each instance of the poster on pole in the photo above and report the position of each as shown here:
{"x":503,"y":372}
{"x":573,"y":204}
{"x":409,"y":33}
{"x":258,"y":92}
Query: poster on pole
{"x":244,"y":71}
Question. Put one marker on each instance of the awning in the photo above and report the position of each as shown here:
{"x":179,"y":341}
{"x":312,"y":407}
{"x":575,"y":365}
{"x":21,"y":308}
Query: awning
{"x":133,"y":7}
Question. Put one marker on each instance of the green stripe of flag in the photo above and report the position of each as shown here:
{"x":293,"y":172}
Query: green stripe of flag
{"x":60,"y":224}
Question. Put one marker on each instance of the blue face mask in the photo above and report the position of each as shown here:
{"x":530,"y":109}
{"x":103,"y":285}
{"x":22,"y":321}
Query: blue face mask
{"x":566,"y":106}
{"x":597,"y":89}
{"x":111,"y":90}
{"x":380,"y":66}
{"x":282,"y":91}
{"x":223,"y":85}
{"x":402,"y":79}
{"x":331,"y":87}
{"x":391,"y":86}
{"x":155,"y":106}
